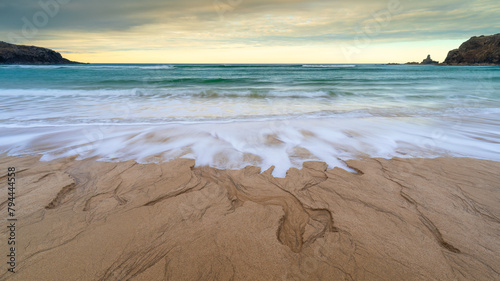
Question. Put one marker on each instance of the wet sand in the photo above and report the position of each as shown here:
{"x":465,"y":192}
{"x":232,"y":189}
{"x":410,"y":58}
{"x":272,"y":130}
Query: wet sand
{"x":398,"y":219}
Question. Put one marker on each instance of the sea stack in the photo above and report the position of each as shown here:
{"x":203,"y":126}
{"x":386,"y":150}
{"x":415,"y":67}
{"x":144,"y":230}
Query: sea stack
{"x":428,"y":60}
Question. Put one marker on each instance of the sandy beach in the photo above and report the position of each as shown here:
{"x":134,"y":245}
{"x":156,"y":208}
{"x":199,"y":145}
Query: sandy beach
{"x":398,"y":219}
{"x":231,"y":140}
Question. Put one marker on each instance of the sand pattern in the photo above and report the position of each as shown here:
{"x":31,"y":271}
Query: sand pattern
{"x":398,"y":219}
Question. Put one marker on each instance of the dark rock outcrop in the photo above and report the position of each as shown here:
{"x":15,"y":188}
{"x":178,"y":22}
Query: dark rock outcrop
{"x":428,"y":60}
{"x":20,"y":54}
{"x":482,"y":50}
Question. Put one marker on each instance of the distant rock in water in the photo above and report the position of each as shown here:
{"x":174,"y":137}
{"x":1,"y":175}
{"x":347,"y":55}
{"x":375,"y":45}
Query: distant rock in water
{"x":482,"y":50}
{"x":428,"y":60}
{"x":20,"y":54}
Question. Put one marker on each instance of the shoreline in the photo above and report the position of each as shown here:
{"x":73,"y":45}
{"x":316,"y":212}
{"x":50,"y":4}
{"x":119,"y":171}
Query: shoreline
{"x":406,"y":219}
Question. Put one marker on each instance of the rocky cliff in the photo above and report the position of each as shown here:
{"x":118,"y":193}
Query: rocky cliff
{"x":20,"y":54}
{"x":482,"y":50}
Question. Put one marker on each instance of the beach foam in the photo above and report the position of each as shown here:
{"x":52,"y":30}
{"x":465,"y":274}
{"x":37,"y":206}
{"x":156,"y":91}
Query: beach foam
{"x":230,"y":116}
{"x":280,"y":143}
{"x":327,"y":65}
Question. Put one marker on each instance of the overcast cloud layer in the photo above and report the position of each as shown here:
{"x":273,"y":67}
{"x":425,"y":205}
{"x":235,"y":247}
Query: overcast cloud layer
{"x":152,"y":24}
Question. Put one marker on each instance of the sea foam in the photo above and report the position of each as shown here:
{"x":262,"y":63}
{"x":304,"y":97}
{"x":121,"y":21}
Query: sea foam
{"x":279,"y":143}
{"x":231,"y":116}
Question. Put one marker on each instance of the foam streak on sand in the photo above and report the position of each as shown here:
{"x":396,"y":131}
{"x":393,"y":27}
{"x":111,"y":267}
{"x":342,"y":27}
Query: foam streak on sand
{"x":399,"y":219}
{"x":282,"y":144}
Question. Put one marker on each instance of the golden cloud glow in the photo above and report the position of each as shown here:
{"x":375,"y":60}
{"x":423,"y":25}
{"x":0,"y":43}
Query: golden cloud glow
{"x":252,"y":31}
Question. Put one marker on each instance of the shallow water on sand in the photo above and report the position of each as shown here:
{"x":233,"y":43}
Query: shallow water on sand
{"x":230,"y":116}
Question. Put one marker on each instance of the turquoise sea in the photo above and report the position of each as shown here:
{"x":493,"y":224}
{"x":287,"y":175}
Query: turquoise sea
{"x":231,"y":116}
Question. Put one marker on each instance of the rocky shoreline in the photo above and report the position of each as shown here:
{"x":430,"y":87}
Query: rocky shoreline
{"x":482,"y":50}
{"x":477,"y":51}
{"x":30,"y":55}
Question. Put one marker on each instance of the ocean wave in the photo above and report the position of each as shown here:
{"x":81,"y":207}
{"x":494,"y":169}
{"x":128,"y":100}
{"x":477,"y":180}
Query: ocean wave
{"x":237,"y":94}
{"x":158,"y":67}
{"x":168,"y":113}
{"x":91,"y":66}
{"x":56,"y":121}
{"x":34,"y":66}
{"x":328,"y":65}
{"x":163,"y":93}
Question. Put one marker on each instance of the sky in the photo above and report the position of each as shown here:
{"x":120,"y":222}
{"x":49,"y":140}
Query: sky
{"x":247,"y":31}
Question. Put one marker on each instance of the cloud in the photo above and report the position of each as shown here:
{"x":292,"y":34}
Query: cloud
{"x":211,"y":24}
